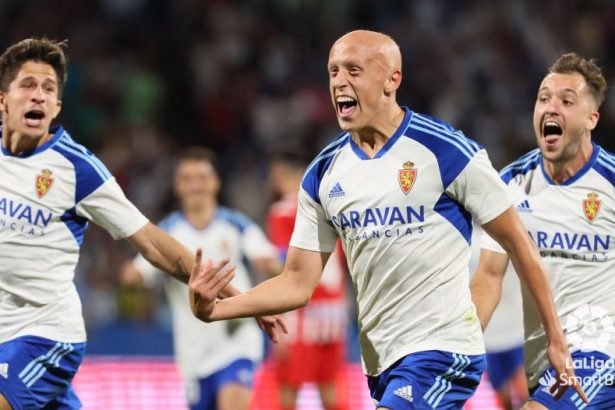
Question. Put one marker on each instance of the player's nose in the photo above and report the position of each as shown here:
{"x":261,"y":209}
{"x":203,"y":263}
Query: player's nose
{"x":339,"y":80}
{"x":552,"y":107}
{"x":38,"y":95}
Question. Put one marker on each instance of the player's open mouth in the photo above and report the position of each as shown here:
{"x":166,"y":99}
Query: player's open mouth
{"x":346,"y":105}
{"x":34,"y":118}
{"x":551,"y":131}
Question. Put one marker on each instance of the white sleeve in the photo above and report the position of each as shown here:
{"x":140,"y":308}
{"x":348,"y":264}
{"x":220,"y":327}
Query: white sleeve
{"x":487,"y":242}
{"x":480,"y":189}
{"x":254,"y":244}
{"x":108,"y":207}
{"x":312,"y":229}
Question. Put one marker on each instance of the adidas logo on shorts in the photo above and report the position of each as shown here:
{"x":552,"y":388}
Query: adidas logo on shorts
{"x":4,"y":370}
{"x":404,"y":392}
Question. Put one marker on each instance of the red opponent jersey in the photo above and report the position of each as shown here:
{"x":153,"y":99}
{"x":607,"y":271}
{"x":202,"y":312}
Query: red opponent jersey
{"x":324,"y":319}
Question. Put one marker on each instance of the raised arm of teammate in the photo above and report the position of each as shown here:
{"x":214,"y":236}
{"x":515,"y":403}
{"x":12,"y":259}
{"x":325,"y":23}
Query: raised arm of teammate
{"x":289,"y":290}
{"x":168,"y":255}
{"x":508,"y":230}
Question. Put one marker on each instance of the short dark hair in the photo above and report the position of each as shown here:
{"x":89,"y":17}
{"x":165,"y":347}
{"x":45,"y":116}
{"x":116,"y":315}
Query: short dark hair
{"x":574,"y":63}
{"x":198,"y":153}
{"x":40,"y":50}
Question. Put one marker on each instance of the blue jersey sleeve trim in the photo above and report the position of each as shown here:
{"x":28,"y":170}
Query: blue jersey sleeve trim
{"x":235,"y":218}
{"x":605,"y":166}
{"x":579,"y":174}
{"x":452,"y":149}
{"x":68,"y":143}
{"x":313,"y":176}
{"x":443,"y":130}
{"x":90,"y":173}
{"x":331,"y":147}
{"x":76,"y":224}
{"x":456,"y":214}
{"x":606,"y":156}
{"x":57,"y":131}
{"x":523,"y":165}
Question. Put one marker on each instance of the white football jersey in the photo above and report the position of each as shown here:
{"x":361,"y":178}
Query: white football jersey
{"x":405,"y":221}
{"x":204,"y":348}
{"x":573,"y":225}
{"x":47,"y":196}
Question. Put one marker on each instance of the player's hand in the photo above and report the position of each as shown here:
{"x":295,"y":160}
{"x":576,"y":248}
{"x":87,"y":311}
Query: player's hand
{"x":206,"y":280}
{"x":279,"y":350}
{"x":561,"y":361}
{"x":273,"y":325}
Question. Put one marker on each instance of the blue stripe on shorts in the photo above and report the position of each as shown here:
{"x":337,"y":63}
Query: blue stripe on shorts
{"x":428,"y":380}
{"x":37,"y":372}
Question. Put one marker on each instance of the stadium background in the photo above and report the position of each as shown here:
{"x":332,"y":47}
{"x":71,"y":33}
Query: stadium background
{"x":148,"y":77}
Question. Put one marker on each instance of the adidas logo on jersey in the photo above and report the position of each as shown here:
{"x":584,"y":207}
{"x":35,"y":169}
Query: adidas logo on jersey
{"x":336,"y":191}
{"x":4,"y":370}
{"x":404,"y":392}
{"x":524,"y":206}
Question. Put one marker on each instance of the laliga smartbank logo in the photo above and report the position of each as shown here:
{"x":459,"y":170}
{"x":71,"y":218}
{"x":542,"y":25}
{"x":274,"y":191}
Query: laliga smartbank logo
{"x":589,"y":328}
{"x":595,"y":371}
{"x":547,"y":380}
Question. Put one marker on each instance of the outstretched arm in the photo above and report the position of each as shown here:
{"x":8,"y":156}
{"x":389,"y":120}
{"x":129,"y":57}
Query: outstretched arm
{"x":486,"y":286}
{"x":289,"y":290}
{"x":167,"y":254}
{"x":511,"y":234}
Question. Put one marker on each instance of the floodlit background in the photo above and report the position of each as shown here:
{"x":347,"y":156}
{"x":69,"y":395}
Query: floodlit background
{"x":148,"y":77}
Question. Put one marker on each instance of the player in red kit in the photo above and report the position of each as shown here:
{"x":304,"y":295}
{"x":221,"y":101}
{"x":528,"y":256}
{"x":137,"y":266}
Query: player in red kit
{"x":314,"y":348}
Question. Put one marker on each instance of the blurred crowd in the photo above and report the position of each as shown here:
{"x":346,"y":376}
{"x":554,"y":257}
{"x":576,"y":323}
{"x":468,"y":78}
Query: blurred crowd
{"x":147,"y":77}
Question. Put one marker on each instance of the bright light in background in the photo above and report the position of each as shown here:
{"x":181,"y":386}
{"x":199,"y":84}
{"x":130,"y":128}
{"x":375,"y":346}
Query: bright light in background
{"x":140,"y":383}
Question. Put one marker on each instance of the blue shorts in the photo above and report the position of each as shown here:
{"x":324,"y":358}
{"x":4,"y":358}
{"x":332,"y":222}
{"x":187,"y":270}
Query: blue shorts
{"x":202,"y":394}
{"x":501,"y":366}
{"x":36,"y":373}
{"x":428,"y":380}
{"x":596,"y":373}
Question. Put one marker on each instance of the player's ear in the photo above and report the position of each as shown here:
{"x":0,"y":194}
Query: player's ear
{"x":393,"y":82}
{"x":57,"y":109}
{"x":2,"y":100}
{"x":592,"y":120}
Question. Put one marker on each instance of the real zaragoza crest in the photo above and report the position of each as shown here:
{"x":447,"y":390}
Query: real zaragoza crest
{"x":591,"y":206}
{"x":43,"y":183}
{"x":407,"y":176}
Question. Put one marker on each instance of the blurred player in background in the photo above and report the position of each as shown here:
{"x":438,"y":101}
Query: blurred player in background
{"x":216,"y":360}
{"x":504,"y":337}
{"x":314,"y":348}
{"x":565,"y":196}
{"x":399,"y":189}
{"x":50,"y":188}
